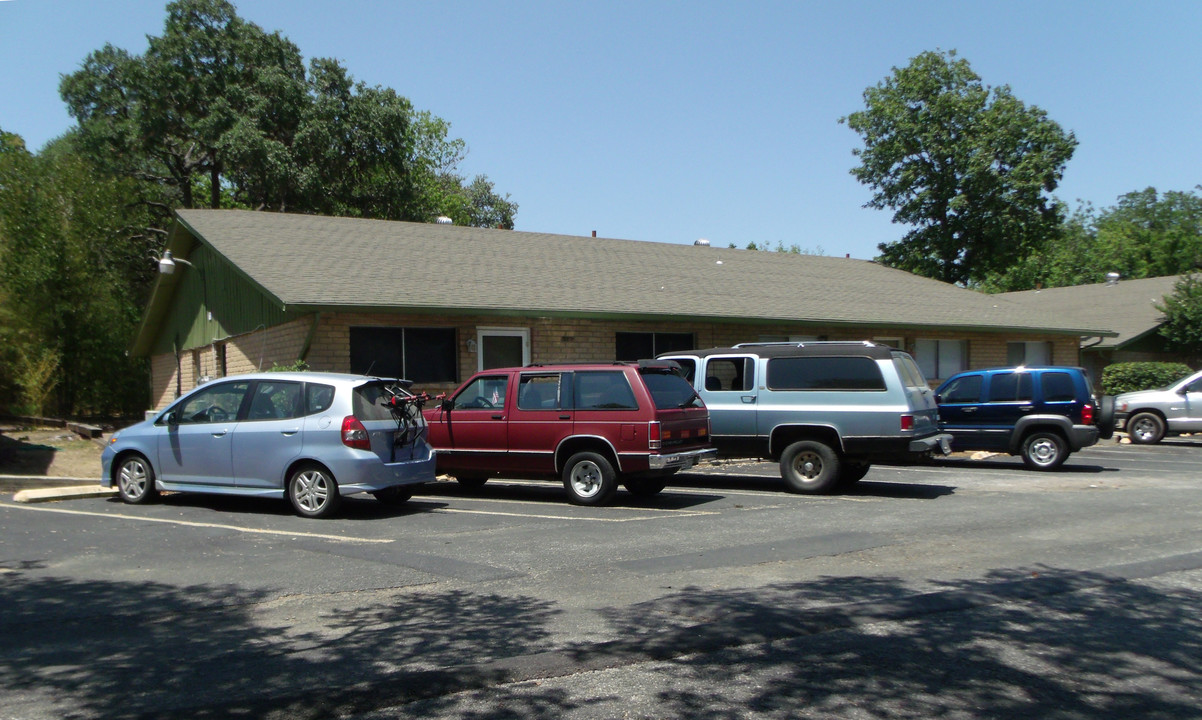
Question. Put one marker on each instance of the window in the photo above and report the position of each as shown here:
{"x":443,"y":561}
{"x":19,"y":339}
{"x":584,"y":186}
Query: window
{"x":893,"y":342}
{"x":730,"y":374}
{"x":1010,"y":387}
{"x":539,"y":392}
{"x":966,"y":389}
{"x":423,"y":355}
{"x":670,"y":391}
{"x":825,"y":373}
{"x":1058,"y":387}
{"x":275,"y":401}
{"x":640,"y":345}
{"x":604,"y":391}
{"x":502,"y":347}
{"x":485,"y":392}
{"x":318,"y":398}
{"x":1028,"y":353}
{"x":215,"y":403}
{"x":940,"y":358}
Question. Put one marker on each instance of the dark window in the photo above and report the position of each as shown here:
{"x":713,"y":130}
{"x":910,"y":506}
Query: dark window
{"x":604,"y":391}
{"x":369,"y":402}
{"x":1058,"y":387}
{"x":965,"y":389}
{"x":538,"y":392}
{"x":825,"y":373}
{"x":215,"y":403}
{"x":423,"y":355}
{"x":274,"y":400}
{"x":1010,"y":387}
{"x":670,"y":391}
{"x":642,"y":345}
{"x":318,"y":397}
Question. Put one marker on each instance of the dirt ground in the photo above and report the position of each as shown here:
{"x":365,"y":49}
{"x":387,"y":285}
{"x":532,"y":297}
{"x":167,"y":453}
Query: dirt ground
{"x":48,"y":452}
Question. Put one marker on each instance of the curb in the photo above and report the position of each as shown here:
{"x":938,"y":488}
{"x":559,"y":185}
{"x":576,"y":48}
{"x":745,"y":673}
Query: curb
{"x":48,"y":489}
{"x":61,"y":493}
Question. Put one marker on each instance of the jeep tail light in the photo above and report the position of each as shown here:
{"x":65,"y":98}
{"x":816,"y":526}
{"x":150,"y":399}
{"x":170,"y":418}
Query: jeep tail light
{"x":1087,"y":414}
{"x":907,"y":422}
{"x":654,"y":441}
{"x":354,"y":435}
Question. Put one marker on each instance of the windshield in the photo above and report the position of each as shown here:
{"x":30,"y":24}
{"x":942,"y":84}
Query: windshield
{"x":670,"y":391}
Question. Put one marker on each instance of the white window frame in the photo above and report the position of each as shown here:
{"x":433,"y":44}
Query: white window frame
{"x":519,"y":332}
{"x":933,"y":367}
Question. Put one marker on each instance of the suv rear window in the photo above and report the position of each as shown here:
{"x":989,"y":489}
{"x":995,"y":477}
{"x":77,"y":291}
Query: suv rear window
{"x":604,"y":391}
{"x":1058,"y":387}
{"x":670,"y":391}
{"x":1010,"y":387}
{"x":825,"y":373}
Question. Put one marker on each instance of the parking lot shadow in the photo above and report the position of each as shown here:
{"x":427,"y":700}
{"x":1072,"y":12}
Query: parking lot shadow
{"x":1074,"y":465}
{"x":552,"y":492}
{"x":773,"y":483}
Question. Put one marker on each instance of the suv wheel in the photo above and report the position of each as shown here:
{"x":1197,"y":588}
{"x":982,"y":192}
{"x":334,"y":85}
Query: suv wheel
{"x":646,"y":487}
{"x":809,"y":467}
{"x":589,"y":479}
{"x":135,"y":480}
{"x":1044,"y":450}
{"x":1145,"y":428}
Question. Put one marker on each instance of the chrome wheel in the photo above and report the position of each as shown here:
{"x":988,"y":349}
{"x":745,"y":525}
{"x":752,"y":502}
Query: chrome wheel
{"x":135,"y":480}
{"x":1044,"y":451}
{"x":313,"y":492}
{"x":1145,"y":429}
{"x":808,"y":465}
{"x":586,"y":479}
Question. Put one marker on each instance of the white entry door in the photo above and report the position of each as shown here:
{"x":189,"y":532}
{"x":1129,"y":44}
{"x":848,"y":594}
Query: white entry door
{"x":502,"y":347}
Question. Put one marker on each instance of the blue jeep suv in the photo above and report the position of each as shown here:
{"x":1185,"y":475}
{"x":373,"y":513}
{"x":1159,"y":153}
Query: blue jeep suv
{"x":1039,"y":413}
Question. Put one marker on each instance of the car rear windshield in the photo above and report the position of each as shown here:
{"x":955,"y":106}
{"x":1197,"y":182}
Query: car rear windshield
{"x":369,"y":402}
{"x":670,"y":391}
{"x":825,"y":373}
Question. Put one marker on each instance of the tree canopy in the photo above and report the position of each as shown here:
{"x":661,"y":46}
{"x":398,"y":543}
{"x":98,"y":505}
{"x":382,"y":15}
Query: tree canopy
{"x":966,"y":165}
{"x":1182,"y":327}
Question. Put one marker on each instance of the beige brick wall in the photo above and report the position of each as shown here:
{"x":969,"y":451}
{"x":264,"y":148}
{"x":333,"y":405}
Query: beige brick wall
{"x":551,"y":340}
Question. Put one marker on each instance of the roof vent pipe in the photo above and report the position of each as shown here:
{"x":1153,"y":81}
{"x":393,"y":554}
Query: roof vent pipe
{"x":444,"y":220}
{"x":701,"y":242}
{"x":1112,"y":279}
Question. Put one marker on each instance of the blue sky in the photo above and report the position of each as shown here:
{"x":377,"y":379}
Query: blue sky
{"x":673,"y":121}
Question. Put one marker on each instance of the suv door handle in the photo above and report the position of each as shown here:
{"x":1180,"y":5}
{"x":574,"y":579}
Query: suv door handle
{"x":565,"y":417}
{"x":498,"y":417}
{"x":749,"y":399}
{"x":1026,"y":408}
{"x":970,"y":410}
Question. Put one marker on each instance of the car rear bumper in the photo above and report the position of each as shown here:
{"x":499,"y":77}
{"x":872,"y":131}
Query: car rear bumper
{"x":681,"y":460}
{"x":368,"y":474}
{"x":1081,"y":436}
{"x":938,"y":444}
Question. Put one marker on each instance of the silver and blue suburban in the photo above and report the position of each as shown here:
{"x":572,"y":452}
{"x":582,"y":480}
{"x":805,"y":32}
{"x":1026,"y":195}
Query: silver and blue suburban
{"x":310,"y":437}
{"x":824,"y":410}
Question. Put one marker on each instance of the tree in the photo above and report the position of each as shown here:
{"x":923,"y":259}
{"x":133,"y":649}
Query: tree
{"x":966,"y":165}
{"x":1182,"y":326}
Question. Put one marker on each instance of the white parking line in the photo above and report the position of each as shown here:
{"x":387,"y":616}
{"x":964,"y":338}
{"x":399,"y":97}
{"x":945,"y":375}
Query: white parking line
{"x":677,"y":513}
{"x":188,"y":523}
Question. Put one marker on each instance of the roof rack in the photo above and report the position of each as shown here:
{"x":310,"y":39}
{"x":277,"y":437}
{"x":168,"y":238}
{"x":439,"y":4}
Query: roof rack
{"x":864,"y":343}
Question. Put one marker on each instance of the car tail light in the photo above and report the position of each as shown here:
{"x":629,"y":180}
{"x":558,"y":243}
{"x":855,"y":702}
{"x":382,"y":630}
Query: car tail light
{"x":354,"y":435}
{"x":653,"y":437}
{"x":1087,"y":414}
{"x":907,"y":422}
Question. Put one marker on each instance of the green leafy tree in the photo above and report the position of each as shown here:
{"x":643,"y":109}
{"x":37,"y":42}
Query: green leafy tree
{"x":966,"y":165}
{"x":1182,"y":326}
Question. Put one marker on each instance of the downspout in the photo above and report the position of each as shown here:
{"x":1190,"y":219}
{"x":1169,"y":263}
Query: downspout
{"x":304,"y":353}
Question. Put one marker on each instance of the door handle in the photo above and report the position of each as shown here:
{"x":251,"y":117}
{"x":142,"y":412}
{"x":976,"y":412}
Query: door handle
{"x":565,"y":417}
{"x":970,"y":410}
{"x":1026,"y":408}
{"x":748,"y":399}
{"x":220,"y":433}
{"x":291,"y":432}
{"x":498,"y":417}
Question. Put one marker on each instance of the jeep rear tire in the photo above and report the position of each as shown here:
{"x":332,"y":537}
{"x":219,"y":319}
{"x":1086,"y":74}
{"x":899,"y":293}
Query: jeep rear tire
{"x":1145,"y":428}
{"x":1106,"y":417}
{"x":809,"y":467}
{"x":1044,"y":450}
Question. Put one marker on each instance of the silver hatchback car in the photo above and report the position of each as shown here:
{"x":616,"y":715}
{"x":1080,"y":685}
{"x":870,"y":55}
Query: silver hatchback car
{"x":309,"y":437}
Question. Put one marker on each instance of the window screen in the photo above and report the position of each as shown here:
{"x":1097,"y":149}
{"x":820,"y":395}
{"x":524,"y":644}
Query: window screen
{"x":642,"y":345}
{"x":825,"y":373}
{"x":423,"y":355}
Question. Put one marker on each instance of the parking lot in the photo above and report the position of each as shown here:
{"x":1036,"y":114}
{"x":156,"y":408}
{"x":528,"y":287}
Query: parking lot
{"x":453,"y":604}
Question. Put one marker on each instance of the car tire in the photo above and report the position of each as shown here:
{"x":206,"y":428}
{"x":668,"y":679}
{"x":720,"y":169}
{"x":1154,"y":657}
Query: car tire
{"x":1044,"y":450}
{"x":395,"y":495}
{"x":810,"y":467}
{"x":313,"y":492}
{"x":853,"y":473}
{"x":589,"y":479}
{"x":471,"y":481}
{"x":646,"y":487}
{"x":135,"y":480}
{"x":1145,"y":428}
{"x":1106,"y":417}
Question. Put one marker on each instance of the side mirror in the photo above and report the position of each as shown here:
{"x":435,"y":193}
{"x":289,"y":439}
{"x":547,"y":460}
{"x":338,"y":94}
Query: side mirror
{"x":446,"y":404}
{"x":938,"y":398}
{"x":171,"y":418}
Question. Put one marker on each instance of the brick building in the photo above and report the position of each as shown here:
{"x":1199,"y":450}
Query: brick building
{"x":435,"y":303}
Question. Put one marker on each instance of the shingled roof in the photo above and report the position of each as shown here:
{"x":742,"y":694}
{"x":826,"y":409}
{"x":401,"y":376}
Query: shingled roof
{"x":1127,"y":307}
{"x":327,"y":263}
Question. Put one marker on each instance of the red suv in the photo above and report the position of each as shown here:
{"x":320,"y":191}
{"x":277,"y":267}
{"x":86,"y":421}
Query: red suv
{"x":593,"y":425}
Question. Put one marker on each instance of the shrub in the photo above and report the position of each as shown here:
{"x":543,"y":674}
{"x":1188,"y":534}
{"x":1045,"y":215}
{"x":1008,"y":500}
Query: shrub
{"x":296,"y":366}
{"x":1132,"y":376}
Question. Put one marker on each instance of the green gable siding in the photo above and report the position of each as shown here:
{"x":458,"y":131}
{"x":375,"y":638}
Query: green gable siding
{"x":211,"y":284}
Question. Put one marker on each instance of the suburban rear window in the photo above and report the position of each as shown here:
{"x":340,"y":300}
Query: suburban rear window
{"x":670,"y":391}
{"x":825,"y":373}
